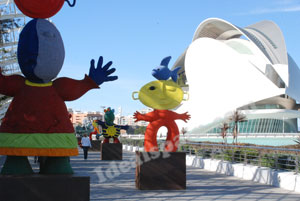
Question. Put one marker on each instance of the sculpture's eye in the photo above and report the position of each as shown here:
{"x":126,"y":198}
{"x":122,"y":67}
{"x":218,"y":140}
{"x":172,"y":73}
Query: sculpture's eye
{"x":152,"y":88}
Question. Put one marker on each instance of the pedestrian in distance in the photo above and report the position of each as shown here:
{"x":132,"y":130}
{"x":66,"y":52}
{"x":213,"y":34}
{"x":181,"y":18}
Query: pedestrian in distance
{"x":85,"y":144}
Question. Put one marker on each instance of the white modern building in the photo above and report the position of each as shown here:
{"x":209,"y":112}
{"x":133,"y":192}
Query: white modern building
{"x":228,"y":68}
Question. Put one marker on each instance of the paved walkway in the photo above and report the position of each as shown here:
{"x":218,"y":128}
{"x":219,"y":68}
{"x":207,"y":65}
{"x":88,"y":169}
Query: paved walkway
{"x":114,"y":180}
{"x":117,"y":182}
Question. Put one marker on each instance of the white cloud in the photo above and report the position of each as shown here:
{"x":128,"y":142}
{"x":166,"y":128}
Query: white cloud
{"x":279,"y":6}
{"x":275,"y":10}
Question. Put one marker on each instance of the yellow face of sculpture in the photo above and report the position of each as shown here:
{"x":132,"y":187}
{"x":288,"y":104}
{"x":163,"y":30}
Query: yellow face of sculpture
{"x":161,"y":94}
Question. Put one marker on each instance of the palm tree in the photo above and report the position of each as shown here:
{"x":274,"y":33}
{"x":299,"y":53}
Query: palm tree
{"x":237,"y":117}
{"x":224,"y":127}
{"x":183,"y":131}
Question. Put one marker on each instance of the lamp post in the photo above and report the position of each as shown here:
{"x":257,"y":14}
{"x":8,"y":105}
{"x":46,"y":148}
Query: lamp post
{"x":103,"y":107}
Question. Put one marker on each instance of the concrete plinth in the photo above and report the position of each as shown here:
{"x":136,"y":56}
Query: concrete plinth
{"x":96,"y":145}
{"x":44,"y":187}
{"x":160,"y":171}
{"x":111,"y":151}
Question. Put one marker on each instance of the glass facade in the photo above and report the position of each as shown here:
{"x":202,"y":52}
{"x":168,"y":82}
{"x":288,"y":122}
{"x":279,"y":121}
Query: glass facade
{"x":265,"y":106}
{"x":239,"y":47}
{"x":262,"y":126}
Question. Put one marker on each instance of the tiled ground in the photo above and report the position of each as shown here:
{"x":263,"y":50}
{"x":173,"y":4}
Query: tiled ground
{"x":115,"y":181}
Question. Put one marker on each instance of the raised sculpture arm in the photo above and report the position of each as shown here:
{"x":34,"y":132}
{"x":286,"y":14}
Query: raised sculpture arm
{"x":101,"y":74}
{"x":151,"y":116}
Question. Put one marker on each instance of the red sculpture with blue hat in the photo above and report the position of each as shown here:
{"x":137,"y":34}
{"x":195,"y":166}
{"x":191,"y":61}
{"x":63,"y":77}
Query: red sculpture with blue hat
{"x":37,"y":121}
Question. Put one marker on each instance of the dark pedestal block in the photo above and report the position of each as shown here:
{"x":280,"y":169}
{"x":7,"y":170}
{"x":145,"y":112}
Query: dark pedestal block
{"x":160,"y":171}
{"x":111,"y":151}
{"x":96,"y":145}
{"x":44,"y":188}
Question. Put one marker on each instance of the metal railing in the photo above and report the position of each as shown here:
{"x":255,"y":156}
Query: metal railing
{"x":217,"y":135}
{"x":275,"y":158}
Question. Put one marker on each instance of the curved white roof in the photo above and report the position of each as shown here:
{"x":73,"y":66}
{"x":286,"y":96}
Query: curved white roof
{"x":227,"y":67}
{"x":266,"y":35}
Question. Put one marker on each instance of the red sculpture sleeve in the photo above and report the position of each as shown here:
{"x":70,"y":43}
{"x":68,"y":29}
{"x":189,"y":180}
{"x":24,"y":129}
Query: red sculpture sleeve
{"x":10,"y":85}
{"x":185,"y":116}
{"x":70,"y":89}
{"x":151,"y":116}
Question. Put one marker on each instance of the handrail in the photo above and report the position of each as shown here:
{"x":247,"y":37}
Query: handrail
{"x":217,"y":135}
{"x":244,"y":146}
{"x":276,"y":159}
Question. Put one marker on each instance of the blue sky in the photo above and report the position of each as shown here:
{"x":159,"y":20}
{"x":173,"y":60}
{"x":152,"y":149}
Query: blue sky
{"x":137,"y":34}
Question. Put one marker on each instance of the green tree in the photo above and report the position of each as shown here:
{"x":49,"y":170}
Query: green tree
{"x":140,"y":130}
{"x":130,"y":130}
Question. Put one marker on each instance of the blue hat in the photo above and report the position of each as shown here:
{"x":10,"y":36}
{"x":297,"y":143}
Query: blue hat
{"x":41,"y":51}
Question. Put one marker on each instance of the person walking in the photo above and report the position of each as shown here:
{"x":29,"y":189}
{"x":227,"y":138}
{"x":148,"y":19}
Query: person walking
{"x":86,"y":144}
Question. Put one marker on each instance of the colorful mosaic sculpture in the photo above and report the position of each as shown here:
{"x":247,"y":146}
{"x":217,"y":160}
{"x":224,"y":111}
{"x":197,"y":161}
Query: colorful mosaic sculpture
{"x":109,"y":129}
{"x":96,"y":130}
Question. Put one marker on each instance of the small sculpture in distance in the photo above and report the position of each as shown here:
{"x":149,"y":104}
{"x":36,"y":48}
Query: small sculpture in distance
{"x":109,"y":129}
{"x":96,"y":130}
